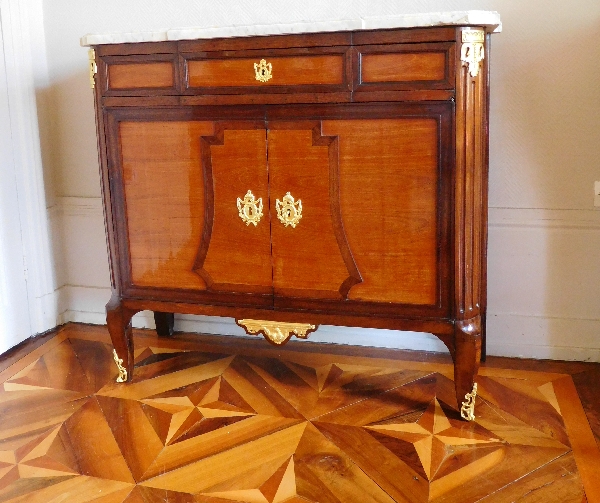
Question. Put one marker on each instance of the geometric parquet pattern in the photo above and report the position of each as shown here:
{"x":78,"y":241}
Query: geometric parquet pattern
{"x":272,"y":426}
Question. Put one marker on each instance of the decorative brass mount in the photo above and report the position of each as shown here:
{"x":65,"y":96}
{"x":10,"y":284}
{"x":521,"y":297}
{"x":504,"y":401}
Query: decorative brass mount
{"x":93,"y":67}
{"x":288,"y":211}
{"x":277,"y":332}
{"x":250,"y":210}
{"x":263,"y":71}
{"x":122,"y":370}
{"x":472,"y":52}
{"x":467,"y":411}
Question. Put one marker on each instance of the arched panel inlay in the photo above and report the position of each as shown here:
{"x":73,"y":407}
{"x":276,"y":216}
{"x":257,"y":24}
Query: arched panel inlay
{"x":233,"y":256}
{"x":337,"y":223}
{"x":314,"y":258}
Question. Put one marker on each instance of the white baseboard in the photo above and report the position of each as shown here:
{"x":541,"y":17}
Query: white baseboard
{"x":543,"y":287}
{"x":543,"y":337}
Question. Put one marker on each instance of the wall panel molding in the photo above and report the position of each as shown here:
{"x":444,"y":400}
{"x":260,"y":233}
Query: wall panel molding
{"x":545,"y":218}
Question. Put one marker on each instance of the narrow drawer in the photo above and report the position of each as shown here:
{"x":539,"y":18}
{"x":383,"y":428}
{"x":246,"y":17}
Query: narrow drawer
{"x":403,"y":67}
{"x":141,"y":75}
{"x":406,"y":66}
{"x":325,"y":69}
{"x":138,"y":74}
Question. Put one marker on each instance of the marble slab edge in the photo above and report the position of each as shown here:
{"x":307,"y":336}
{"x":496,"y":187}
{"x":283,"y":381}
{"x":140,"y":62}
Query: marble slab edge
{"x":488,"y":19}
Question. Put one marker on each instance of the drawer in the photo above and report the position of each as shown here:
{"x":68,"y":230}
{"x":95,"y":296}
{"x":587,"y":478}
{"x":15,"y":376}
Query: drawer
{"x":140,"y":75}
{"x":221,"y":74}
{"x":406,"y":66}
{"x":133,"y":75}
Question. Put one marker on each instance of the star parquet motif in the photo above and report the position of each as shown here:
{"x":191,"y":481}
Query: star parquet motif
{"x":204,"y":426}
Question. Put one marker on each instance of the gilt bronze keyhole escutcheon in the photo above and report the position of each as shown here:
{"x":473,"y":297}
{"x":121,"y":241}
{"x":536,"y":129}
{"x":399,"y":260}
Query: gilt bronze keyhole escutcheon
{"x":289,"y":211}
{"x":263,"y":71}
{"x":250,"y":209}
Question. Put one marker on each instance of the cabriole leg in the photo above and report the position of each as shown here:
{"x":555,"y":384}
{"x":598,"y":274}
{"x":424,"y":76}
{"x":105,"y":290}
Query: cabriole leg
{"x":467,"y":355}
{"x":118,"y":320}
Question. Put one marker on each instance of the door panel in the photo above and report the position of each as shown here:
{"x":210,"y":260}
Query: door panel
{"x":389,"y":190}
{"x":235,"y":256}
{"x":369,"y":192}
{"x":312,"y":258}
{"x":164,"y":199}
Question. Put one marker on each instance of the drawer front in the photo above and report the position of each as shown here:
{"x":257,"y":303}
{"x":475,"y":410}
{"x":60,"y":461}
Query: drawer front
{"x":139,"y":75}
{"x":313,"y":70}
{"x":406,"y":66}
{"x":403,"y":67}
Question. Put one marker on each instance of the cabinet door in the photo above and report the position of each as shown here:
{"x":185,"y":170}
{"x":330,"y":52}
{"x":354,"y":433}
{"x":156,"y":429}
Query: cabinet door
{"x":375,"y":188}
{"x":180,"y":184}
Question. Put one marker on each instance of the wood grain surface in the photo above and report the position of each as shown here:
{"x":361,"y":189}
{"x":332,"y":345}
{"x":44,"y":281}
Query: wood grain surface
{"x":307,"y":259}
{"x":290,"y":71}
{"x":403,"y":67}
{"x":142,"y":75}
{"x":164,"y":196}
{"x":208,"y":420}
{"x":237,"y":256}
{"x":388,"y":190}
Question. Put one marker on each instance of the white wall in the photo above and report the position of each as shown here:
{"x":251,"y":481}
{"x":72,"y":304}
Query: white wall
{"x":544,"y":265}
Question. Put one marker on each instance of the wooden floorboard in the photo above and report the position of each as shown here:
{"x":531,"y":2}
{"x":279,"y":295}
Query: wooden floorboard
{"x":24,"y":348}
{"x":222,"y":419}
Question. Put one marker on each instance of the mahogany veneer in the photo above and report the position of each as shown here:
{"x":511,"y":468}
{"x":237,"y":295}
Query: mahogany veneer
{"x":382,"y":135}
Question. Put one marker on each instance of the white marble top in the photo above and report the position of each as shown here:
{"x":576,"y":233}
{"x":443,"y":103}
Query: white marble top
{"x":488,"y":19}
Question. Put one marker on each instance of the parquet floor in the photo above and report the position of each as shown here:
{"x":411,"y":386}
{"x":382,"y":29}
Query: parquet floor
{"x":241,"y":422}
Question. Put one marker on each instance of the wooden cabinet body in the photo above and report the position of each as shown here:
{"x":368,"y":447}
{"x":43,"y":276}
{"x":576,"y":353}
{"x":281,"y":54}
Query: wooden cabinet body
{"x":380,"y":139}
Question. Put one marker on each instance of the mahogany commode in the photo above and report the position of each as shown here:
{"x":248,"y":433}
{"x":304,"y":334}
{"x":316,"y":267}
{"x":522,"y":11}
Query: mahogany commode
{"x":294,"y":180}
